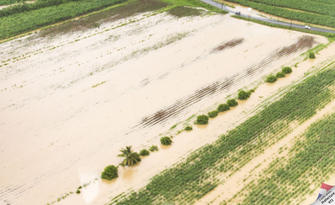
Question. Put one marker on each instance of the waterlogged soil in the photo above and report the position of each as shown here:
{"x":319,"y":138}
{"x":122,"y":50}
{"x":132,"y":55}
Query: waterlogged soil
{"x":73,"y":100}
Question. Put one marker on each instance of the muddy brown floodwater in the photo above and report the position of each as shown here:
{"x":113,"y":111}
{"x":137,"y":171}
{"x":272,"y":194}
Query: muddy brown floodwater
{"x":70,"y":101}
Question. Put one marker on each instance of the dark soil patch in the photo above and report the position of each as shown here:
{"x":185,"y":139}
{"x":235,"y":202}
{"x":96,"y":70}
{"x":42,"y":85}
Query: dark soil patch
{"x":224,"y":85}
{"x":182,"y":11}
{"x":229,"y":44}
{"x":113,"y":14}
{"x":303,"y":42}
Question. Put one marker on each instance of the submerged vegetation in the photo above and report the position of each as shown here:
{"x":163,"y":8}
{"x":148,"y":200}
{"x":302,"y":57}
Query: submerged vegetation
{"x":193,"y":178}
{"x":166,"y":140}
{"x":130,"y":158}
{"x":202,"y":120}
{"x":109,"y":173}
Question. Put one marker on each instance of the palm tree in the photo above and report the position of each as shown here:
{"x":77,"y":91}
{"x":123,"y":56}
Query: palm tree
{"x":130,"y":158}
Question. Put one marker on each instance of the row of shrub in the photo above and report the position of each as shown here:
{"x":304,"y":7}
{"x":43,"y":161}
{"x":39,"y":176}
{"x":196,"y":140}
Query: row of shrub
{"x":131,"y":158}
{"x":242,"y":95}
{"x":273,"y":78}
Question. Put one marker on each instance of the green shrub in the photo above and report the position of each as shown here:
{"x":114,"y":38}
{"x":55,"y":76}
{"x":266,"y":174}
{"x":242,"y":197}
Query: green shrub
{"x":188,"y":128}
{"x":280,"y":75}
{"x":144,"y":152}
{"x":166,"y":140}
{"x":130,"y":158}
{"x":243,"y":95}
{"x":232,"y":103}
{"x":287,"y":70}
{"x":213,"y":114}
{"x":202,"y":120}
{"x":271,"y":79}
{"x":311,"y":55}
{"x":153,"y":148}
{"x":109,"y":173}
{"x":78,"y":191}
{"x":223,"y":107}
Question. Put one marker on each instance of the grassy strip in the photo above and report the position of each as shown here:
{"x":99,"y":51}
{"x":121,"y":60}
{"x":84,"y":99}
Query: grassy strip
{"x":26,"y":21}
{"x":192,"y":179}
{"x":311,"y":165}
{"x":290,"y":14}
{"x":19,"y":23}
{"x":331,"y":37}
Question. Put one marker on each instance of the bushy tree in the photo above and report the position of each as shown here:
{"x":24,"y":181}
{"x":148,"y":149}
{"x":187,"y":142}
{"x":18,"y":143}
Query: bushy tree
{"x":110,"y":172}
{"x":213,"y":114}
{"x":232,"y":103}
{"x":144,"y":152}
{"x":202,"y":120}
{"x":166,"y":140}
{"x":243,"y":95}
{"x":286,"y":70}
{"x":311,"y":55}
{"x":130,"y":158}
{"x":280,"y":75}
{"x":188,"y":128}
{"x":223,"y":107}
{"x":271,"y":79}
{"x":153,"y":148}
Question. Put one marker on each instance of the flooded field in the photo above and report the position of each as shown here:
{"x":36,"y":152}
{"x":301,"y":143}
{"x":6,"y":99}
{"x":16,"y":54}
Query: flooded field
{"x":69,"y":101}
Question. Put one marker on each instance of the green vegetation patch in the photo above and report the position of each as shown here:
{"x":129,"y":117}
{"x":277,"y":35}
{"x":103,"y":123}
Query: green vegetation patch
{"x":109,"y":173}
{"x":301,"y":10}
{"x":308,"y":167}
{"x":182,"y":11}
{"x":166,"y":140}
{"x":191,"y":179}
{"x":202,"y":120}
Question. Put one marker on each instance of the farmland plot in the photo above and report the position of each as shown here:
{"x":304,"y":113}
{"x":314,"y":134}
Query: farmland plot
{"x":70,"y":101}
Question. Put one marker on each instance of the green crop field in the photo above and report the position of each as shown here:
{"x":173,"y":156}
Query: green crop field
{"x":22,"y":18}
{"x":319,"y":12}
{"x":190,"y":180}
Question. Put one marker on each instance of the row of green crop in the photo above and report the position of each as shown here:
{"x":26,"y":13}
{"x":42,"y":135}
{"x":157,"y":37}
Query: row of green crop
{"x":303,"y":5}
{"x":26,"y":21}
{"x":23,"y":6}
{"x":290,"y":14}
{"x":309,"y":167}
{"x":190,"y":180}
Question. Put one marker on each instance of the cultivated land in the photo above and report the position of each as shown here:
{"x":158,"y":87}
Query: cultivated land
{"x":74,"y":94}
{"x":308,"y":11}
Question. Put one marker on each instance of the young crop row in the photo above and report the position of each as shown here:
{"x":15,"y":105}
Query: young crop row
{"x":302,"y":16}
{"x":307,"y":169}
{"x":192,"y":179}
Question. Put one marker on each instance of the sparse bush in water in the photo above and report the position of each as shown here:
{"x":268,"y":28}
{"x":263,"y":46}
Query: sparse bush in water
{"x":188,"y":128}
{"x":213,"y":114}
{"x":153,"y":148}
{"x":271,"y":79}
{"x":223,"y":107}
{"x":311,"y":55}
{"x":232,"y":103}
{"x":287,"y":70}
{"x":109,"y":173}
{"x":144,"y":152}
{"x":280,"y":75}
{"x":202,"y":120}
{"x":131,"y":158}
{"x":243,"y":95}
{"x":166,"y":140}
